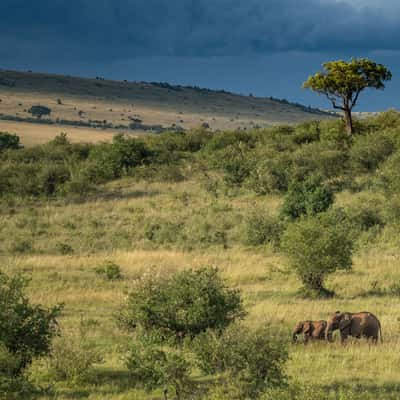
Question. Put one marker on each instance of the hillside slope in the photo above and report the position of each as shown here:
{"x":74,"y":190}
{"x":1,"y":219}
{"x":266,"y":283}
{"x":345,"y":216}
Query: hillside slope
{"x":134,"y":107}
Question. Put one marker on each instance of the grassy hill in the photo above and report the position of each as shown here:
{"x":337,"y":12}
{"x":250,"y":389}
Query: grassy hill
{"x":164,"y":203}
{"x":96,"y":109}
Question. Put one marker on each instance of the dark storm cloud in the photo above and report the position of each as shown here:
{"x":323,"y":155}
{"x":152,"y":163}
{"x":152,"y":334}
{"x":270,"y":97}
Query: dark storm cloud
{"x":87,"y":29}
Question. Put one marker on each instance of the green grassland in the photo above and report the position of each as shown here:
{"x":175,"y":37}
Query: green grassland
{"x":188,"y":207}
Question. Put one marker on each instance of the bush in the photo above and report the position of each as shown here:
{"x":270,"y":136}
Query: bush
{"x":306,"y":132}
{"x":128,"y":152}
{"x":270,"y":174}
{"x":26,"y":330}
{"x":12,"y":387}
{"x":60,"y":140}
{"x":369,"y":151}
{"x":109,"y":271}
{"x":111,"y":161}
{"x":9,"y":141}
{"x":52,"y":177}
{"x":330,"y":162}
{"x":64,"y":248}
{"x":151,"y":367}
{"x":365,"y":213}
{"x":306,"y":198}
{"x":235,"y":165}
{"x":388,"y":174}
{"x":182,"y":305}
{"x":318,"y":246}
{"x":72,"y":359}
{"x":261,"y":229}
{"x":38,"y":111}
{"x":222,"y":140}
{"x":252,"y":360}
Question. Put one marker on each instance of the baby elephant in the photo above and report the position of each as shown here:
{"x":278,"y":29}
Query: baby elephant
{"x":310,"y":330}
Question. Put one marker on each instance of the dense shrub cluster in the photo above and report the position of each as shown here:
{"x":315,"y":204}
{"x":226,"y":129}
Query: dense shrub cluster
{"x":264,"y":160}
{"x":183,"y":305}
{"x":309,"y":197}
{"x":26,"y":333}
{"x":198,"y":312}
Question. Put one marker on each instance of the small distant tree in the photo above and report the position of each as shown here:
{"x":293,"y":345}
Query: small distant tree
{"x":342,"y":82}
{"x":9,"y":141}
{"x":38,"y":111}
{"x":318,"y":246}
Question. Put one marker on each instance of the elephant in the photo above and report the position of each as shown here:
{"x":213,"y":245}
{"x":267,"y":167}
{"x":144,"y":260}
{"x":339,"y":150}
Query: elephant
{"x":310,"y":329}
{"x":361,"y":324}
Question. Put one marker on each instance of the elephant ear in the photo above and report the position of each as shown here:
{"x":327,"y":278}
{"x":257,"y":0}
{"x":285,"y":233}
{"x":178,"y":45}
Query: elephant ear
{"x":307,"y":327}
{"x":345,"y":321}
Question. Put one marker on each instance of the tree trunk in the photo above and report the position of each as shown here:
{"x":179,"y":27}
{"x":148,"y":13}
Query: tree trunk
{"x":348,"y":121}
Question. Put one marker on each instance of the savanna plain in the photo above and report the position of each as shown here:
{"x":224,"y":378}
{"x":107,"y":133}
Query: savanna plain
{"x":84,"y":222}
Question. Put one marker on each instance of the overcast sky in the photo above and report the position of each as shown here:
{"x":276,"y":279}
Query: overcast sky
{"x":263,"y":47}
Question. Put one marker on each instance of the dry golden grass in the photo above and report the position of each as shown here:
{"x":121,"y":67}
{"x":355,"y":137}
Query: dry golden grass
{"x":32,"y":133}
{"x":96,"y":230}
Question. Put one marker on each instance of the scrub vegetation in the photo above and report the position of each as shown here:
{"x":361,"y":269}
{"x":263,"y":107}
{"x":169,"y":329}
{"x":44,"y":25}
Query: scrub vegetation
{"x":174,"y":266}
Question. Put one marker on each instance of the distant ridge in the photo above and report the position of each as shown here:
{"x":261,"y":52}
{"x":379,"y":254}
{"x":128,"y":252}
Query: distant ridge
{"x":140,"y":106}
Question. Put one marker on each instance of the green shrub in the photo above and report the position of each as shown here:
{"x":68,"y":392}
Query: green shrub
{"x":111,"y":161}
{"x":60,"y":140}
{"x":151,"y":367}
{"x":306,"y":132}
{"x":9,"y":141}
{"x":128,"y":152}
{"x":261,"y":229}
{"x":109,"y":271}
{"x":306,"y":198}
{"x":318,"y":246}
{"x":326,"y":160}
{"x":270,"y":174}
{"x":235,"y":164}
{"x":21,"y":246}
{"x":384,"y":120}
{"x":72,"y":359}
{"x":369,"y":151}
{"x":52,"y":177}
{"x":182,"y":305}
{"x":13,"y":387}
{"x":26,"y":330}
{"x":333,"y":132}
{"x":388,"y":174}
{"x":222,"y":140}
{"x":252,"y":360}
{"x":163,"y":232}
{"x":366,"y":212}
{"x":64,"y":248}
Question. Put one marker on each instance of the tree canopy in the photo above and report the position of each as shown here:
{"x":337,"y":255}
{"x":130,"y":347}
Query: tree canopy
{"x":342,"y":82}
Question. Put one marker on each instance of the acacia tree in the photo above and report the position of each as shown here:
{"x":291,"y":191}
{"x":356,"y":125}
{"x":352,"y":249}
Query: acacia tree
{"x":342,"y":82}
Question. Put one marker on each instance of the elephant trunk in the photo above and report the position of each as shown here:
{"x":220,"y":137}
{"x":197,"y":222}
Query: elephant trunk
{"x":328,"y":332}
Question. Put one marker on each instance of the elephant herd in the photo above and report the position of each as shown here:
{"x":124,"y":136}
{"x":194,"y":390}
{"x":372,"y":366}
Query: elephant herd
{"x":358,"y":325}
